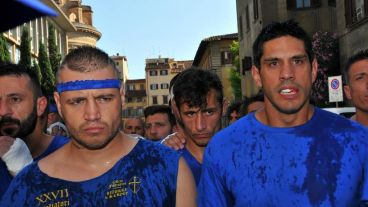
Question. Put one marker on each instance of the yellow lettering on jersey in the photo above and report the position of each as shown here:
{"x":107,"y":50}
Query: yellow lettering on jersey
{"x":52,"y":197}
{"x":117,"y":188}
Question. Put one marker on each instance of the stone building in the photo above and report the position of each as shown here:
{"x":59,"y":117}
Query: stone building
{"x":135,"y":98}
{"x":122,"y":64}
{"x":38,"y":32}
{"x":81,"y":17}
{"x":159,"y":72}
{"x":214,"y":54}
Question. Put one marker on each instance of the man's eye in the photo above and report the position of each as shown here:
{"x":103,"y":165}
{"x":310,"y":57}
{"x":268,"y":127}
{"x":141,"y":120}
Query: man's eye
{"x":273,"y":63}
{"x":104,"y":99}
{"x":15,"y":100}
{"x":298,"y":61}
{"x":209,"y":113}
{"x":76,"y":102}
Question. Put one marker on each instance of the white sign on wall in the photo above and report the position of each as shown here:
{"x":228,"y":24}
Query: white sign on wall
{"x":335,"y":89}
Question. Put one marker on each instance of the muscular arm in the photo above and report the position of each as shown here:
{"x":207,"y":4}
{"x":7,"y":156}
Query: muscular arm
{"x":186,"y":191}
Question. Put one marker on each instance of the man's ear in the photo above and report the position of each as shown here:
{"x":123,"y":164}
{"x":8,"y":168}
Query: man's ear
{"x":314,"y":69}
{"x":41,"y":105}
{"x":174,"y":109}
{"x":57,"y":101}
{"x":347,"y":92}
{"x":225,"y":103}
{"x":256,"y":76}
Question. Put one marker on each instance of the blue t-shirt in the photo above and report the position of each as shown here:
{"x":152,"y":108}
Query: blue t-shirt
{"x":6,"y":178}
{"x":56,"y":143}
{"x":194,"y":165}
{"x":146,"y":176}
{"x":320,"y":163}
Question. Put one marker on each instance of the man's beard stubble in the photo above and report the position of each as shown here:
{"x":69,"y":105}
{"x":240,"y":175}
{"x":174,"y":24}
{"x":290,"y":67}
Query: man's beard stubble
{"x":23,"y":129}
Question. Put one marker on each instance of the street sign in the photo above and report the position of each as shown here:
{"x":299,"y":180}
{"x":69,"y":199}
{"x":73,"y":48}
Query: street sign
{"x":335,"y":89}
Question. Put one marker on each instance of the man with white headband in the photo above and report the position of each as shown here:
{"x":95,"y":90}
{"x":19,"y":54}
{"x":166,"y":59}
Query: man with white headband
{"x":100,"y":166}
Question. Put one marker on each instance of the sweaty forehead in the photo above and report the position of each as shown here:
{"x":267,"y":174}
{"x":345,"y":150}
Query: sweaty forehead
{"x":67,"y":75}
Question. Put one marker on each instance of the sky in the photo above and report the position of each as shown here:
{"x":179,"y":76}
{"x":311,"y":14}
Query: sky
{"x":141,"y":29}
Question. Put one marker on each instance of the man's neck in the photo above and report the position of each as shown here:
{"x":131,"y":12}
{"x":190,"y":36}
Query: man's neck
{"x":361,"y":117}
{"x":196,"y":151}
{"x":37,"y":142}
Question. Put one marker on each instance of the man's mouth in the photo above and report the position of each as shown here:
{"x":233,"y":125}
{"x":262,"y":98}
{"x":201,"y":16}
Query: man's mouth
{"x":288,"y":91}
{"x":10,"y":129}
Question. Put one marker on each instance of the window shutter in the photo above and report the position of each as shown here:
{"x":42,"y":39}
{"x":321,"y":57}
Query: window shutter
{"x":365,"y":8}
{"x":315,"y":3}
{"x":291,"y":4}
{"x":348,"y":14}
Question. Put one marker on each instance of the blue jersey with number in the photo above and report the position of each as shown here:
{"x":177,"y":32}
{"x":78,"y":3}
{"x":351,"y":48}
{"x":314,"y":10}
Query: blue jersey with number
{"x":6,"y":178}
{"x":323,"y":162}
{"x":144,"y":177}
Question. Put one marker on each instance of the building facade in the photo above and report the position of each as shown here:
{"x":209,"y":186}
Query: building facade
{"x":39,"y":32}
{"x":159,"y":72}
{"x":135,"y":98}
{"x":214,"y":54}
{"x":253,"y":15}
{"x":81,"y":17}
{"x":352,"y":27}
{"x":122,"y":64}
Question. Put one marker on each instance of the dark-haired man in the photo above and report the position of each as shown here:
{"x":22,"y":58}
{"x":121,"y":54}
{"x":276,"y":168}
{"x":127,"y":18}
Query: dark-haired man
{"x":198,"y":108}
{"x":289,"y":153}
{"x":134,"y":125}
{"x":356,"y":89}
{"x":159,"y":122}
{"x":23,"y":114}
{"x":100,"y":166}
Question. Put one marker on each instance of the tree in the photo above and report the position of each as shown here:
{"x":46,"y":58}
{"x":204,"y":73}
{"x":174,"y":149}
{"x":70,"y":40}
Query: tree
{"x":4,"y":52}
{"x":37,"y":70}
{"x":48,"y":78}
{"x":54,"y":56}
{"x":25,"y":49}
{"x":326,"y":50}
{"x":235,"y":77}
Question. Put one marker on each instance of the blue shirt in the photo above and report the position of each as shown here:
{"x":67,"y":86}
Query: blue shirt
{"x":146,"y":176}
{"x":6,"y":178}
{"x":194,"y":165}
{"x":323,"y":162}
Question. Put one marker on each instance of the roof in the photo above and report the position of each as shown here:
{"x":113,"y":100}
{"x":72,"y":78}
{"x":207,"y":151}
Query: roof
{"x":135,"y":81}
{"x":203,"y":45}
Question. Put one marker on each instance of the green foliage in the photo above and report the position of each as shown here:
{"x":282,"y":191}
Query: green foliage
{"x":25,"y":49}
{"x":326,"y":49}
{"x":4,"y":52}
{"x":37,"y":70}
{"x":48,"y":78}
{"x":234,"y":48}
{"x":235,"y":77}
{"x":235,"y":81}
{"x":54,"y":56}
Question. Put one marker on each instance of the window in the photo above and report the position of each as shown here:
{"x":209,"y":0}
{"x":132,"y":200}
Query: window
{"x":139,"y":99}
{"x":154,"y":86}
{"x":117,"y":63}
{"x":226,"y":58}
{"x":247,"y":24}
{"x":141,"y":86}
{"x":129,"y":100}
{"x":355,"y":11}
{"x":165,"y":99}
{"x":140,"y":111}
{"x":255,"y":9}
{"x":164,"y":85}
{"x":153,"y":73}
{"x":163,"y":72}
{"x":131,"y":87}
{"x":154,"y":99}
{"x":302,"y":4}
{"x":247,"y":64}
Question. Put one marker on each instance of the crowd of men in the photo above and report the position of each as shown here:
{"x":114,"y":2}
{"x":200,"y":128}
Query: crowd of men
{"x":279,"y":149}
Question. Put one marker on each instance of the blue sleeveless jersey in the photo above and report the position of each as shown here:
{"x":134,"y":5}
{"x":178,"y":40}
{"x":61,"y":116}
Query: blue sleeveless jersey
{"x":6,"y":178}
{"x":193,"y":164}
{"x":323,"y":162}
{"x":144,"y":177}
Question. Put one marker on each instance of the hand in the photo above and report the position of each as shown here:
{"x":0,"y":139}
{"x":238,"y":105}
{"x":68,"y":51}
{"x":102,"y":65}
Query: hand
{"x":5,"y":144}
{"x":175,"y":141}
